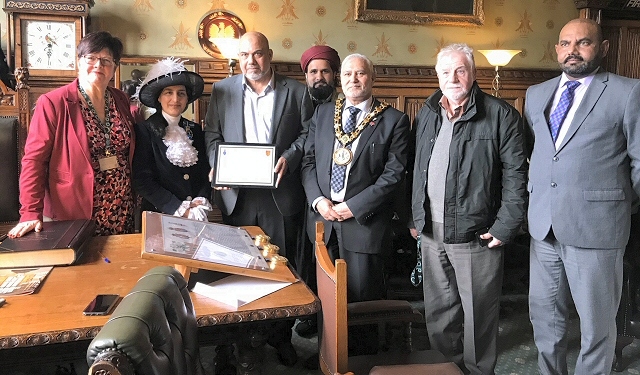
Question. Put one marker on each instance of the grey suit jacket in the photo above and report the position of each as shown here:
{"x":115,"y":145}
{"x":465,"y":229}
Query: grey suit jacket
{"x":587,"y":188}
{"x":378,"y":168}
{"x":292,"y":111}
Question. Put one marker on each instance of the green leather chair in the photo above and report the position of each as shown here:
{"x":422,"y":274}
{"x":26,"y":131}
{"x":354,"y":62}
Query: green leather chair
{"x":153,"y":330}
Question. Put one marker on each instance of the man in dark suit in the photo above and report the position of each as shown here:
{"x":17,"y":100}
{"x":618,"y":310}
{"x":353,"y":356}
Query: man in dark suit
{"x":261,"y":106}
{"x":320,"y":65}
{"x":355,"y":159}
{"x":583,"y":187}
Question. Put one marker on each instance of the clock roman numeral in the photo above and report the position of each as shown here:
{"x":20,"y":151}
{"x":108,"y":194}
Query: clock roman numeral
{"x":32,"y":53}
{"x":49,"y":26}
{"x":66,"y":54}
{"x":39,"y":60}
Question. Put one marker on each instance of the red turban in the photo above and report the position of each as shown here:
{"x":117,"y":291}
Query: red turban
{"x":320,"y":52}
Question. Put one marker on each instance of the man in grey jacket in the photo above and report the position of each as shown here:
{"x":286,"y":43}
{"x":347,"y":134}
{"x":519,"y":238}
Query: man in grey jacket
{"x":468,"y":199}
{"x":583,"y":185}
{"x":261,"y":106}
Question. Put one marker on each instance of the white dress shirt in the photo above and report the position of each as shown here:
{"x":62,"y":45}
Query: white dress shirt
{"x":258,"y":112}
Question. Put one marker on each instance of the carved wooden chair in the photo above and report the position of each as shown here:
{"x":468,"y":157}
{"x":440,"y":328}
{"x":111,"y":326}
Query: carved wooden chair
{"x":153,"y":330}
{"x":333,"y":339}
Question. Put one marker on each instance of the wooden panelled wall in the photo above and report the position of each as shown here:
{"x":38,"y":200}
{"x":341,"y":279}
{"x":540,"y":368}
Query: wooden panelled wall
{"x":405,"y":88}
{"x":624,"y":47}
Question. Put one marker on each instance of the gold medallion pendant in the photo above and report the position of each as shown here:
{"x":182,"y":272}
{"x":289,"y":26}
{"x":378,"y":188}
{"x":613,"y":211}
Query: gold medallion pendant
{"x":342,"y":156}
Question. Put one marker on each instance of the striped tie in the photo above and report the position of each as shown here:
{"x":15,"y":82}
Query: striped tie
{"x":338,"y":171}
{"x":560,"y":113}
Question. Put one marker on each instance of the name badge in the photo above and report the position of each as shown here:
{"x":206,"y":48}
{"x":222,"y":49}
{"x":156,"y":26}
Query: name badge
{"x":108,"y":162}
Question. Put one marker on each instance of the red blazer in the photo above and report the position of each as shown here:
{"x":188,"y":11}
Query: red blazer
{"x":57,"y":177}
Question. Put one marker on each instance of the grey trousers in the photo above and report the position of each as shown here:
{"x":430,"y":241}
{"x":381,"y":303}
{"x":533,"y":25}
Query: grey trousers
{"x":462,"y":284}
{"x":593,"y":277}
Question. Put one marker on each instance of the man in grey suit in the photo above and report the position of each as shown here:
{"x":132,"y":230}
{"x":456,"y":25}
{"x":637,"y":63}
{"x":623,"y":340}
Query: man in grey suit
{"x":261,"y":106}
{"x":583,"y":185}
{"x":469,"y":184}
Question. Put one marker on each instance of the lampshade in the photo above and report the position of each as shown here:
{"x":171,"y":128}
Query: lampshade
{"x":228,"y":46}
{"x":499,"y":57}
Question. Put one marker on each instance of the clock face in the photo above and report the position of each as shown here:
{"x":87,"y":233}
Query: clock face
{"x":49,"y":44}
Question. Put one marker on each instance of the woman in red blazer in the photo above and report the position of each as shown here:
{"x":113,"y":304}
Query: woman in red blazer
{"x":77,"y":162}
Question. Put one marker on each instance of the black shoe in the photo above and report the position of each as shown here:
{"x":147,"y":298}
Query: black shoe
{"x":312,"y":363}
{"x":287,"y":354}
{"x":307,"y":327}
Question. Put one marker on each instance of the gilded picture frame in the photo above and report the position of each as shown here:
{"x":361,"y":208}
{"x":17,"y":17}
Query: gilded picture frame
{"x":417,"y":12}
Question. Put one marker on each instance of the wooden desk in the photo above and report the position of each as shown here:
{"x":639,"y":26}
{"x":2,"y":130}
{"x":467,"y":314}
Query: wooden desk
{"x":54,"y":313}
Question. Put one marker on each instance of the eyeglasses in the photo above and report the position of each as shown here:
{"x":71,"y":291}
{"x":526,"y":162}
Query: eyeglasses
{"x":93,"y":60}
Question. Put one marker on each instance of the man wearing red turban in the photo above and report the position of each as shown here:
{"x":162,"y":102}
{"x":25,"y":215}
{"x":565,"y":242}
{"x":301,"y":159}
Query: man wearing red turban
{"x":320,"y":65}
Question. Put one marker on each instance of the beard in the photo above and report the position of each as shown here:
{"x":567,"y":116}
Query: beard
{"x":581,"y":69}
{"x":321,"y":92}
{"x":455,"y":94}
{"x":256,"y":76}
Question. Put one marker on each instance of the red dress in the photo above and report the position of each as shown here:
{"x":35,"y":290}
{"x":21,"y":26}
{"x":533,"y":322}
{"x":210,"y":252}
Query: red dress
{"x":113,"y":202}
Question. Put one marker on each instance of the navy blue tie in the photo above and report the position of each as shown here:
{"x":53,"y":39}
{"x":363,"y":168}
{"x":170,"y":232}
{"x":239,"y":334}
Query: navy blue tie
{"x":338,"y":171}
{"x":560,"y":113}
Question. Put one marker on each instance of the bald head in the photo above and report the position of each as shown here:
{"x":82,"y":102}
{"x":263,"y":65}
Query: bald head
{"x":255,"y":37}
{"x":254,"y":56}
{"x":589,"y":24}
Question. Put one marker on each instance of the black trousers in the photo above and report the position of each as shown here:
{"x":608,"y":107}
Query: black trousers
{"x":257,"y":207}
{"x":365,"y":282}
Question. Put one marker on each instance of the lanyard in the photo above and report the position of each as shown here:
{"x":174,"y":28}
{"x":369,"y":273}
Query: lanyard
{"x":107,"y":120}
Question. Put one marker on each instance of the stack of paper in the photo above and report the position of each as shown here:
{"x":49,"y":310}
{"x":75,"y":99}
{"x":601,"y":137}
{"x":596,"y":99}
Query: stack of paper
{"x":238,"y":290}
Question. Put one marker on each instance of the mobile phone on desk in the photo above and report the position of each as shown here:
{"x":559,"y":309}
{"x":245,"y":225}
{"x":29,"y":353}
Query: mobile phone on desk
{"x":483,"y":242}
{"x":101,"y":305}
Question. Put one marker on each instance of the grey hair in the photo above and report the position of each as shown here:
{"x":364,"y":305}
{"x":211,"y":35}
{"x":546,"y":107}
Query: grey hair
{"x":457,"y":47}
{"x":359,"y":56}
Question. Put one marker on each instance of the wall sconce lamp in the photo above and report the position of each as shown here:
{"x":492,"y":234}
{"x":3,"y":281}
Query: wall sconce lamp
{"x":498,"y":58}
{"x":229,"y":49}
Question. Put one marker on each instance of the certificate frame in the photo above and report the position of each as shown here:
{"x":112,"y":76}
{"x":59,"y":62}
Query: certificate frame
{"x":245,"y":165}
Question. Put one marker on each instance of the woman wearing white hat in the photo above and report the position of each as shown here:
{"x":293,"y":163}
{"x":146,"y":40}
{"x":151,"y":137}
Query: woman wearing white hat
{"x":170,"y":166}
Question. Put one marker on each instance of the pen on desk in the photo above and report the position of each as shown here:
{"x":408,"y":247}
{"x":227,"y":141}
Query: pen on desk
{"x":3,"y":236}
{"x":104,"y":257}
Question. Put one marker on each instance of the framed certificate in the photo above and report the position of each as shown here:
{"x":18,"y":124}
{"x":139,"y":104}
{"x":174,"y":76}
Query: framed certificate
{"x":245,"y":165}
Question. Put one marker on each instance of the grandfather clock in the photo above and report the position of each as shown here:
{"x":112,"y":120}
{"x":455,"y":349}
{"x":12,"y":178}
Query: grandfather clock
{"x":43,"y":36}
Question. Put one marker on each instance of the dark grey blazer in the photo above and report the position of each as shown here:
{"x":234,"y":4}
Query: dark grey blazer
{"x":378,"y":168}
{"x":586,"y":189}
{"x":291,"y":114}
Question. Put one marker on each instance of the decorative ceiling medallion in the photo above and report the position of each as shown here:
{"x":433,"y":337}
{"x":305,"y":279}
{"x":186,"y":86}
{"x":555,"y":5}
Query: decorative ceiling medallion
{"x":219,"y":23}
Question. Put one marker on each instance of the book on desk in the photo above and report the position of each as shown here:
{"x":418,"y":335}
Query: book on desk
{"x":58,"y":243}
